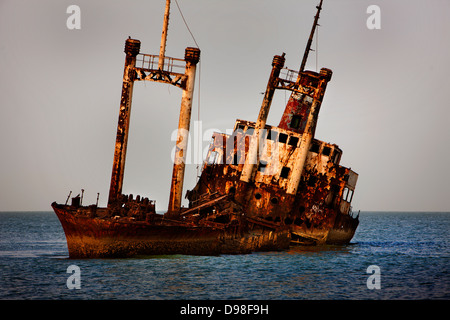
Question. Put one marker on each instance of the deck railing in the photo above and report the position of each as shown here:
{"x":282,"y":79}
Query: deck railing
{"x":150,"y":62}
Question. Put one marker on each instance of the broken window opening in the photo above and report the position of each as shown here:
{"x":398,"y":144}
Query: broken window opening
{"x":285,"y":172}
{"x":272,"y":135}
{"x":293,"y":141}
{"x":350,"y":195}
{"x":326,"y":151}
{"x":296,"y":121}
{"x":282,"y":137}
{"x":345,"y":194}
{"x":315,"y":147}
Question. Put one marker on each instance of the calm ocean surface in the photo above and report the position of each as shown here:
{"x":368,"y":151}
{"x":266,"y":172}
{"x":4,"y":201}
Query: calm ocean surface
{"x":412,"y":251}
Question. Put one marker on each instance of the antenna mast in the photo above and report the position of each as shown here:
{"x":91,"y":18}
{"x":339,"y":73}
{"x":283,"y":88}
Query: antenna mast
{"x":311,"y":36}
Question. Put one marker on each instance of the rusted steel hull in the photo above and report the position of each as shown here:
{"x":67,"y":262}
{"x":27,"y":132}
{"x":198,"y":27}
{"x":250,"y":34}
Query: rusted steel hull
{"x":340,"y":234}
{"x":96,"y":237}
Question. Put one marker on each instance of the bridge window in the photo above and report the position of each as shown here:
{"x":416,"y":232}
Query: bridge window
{"x":272,"y":135}
{"x":347,"y":195}
{"x":326,"y":151}
{"x":315,"y":147}
{"x":293,"y":141}
{"x":282,"y":138}
{"x":296,"y":121}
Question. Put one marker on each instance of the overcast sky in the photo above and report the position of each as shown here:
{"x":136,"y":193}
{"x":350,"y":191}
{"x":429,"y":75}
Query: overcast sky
{"x":387,"y":105}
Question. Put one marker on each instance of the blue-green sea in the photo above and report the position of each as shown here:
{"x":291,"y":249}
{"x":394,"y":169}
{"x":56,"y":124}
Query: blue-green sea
{"x":410,"y":250}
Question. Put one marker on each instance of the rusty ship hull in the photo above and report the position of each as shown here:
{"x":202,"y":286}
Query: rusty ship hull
{"x":91,"y":236}
{"x":93,"y":232}
{"x":261,"y":188}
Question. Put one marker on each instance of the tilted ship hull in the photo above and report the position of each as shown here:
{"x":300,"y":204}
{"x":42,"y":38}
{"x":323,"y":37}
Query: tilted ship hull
{"x":99,"y":237}
{"x":262,"y":188}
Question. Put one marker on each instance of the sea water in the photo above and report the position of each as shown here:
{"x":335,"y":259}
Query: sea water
{"x":394,"y":255}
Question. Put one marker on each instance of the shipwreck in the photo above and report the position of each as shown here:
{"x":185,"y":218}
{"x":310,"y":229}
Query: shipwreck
{"x":261,"y":188}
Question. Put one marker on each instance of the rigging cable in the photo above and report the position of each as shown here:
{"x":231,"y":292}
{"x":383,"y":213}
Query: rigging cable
{"x":179,"y":9}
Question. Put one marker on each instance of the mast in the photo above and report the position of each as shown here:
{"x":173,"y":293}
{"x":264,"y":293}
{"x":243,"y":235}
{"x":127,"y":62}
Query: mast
{"x":192,"y":57}
{"x":296,"y":111}
{"x":162,"y":48}
{"x":132,"y":48}
{"x":311,"y":36}
{"x":134,"y":72}
{"x":311,"y":115}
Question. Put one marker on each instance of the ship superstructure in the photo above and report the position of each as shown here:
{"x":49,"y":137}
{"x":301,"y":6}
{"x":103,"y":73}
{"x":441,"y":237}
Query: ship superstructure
{"x":282,"y":174}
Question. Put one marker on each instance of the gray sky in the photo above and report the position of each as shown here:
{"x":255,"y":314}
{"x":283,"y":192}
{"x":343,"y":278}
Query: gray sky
{"x":387,"y":105}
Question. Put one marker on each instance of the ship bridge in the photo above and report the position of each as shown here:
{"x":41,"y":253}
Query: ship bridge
{"x":323,"y":180}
